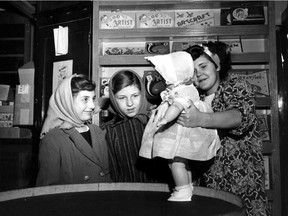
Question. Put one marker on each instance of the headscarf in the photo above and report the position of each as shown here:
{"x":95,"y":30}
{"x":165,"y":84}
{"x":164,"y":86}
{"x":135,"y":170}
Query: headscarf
{"x":114,"y":108}
{"x":61,"y":112}
{"x":174,"y":67}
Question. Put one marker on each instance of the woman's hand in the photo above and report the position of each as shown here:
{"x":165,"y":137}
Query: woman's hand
{"x":191,"y":118}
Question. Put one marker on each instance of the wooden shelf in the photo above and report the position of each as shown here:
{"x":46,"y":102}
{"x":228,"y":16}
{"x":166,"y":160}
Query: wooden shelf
{"x":110,"y":60}
{"x":166,"y":5}
{"x":218,"y":31}
{"x":12,"y":55}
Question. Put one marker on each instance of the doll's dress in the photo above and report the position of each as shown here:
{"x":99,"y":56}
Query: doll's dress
{"x":173,"y":140}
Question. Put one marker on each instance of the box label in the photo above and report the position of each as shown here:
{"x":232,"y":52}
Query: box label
{"x":117,"y":20}
{"x":184,"y":18}
{"x":155,"y":19}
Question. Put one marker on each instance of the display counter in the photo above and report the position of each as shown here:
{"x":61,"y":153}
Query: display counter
{"x":116,"y":199}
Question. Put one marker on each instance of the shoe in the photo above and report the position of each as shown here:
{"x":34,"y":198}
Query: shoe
{"x":181,"y":194}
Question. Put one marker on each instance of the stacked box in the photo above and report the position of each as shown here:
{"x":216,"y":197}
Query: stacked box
{"x":6,"y":115}
{"x":189,"y":18}
{"x":155,"y":19}
{"x":247,"y":15}
{"x":255,"y":45}
{"x":120,"y":48}
{"x":257,"y":79}
{"x":117,"y":19}
{"x":234,"y":44}
{"x":24,"y":96}
{"x":242,"y":16}
{"x":15,"y":132}
{"x":183,"y":45}
{"x":6,"y":106}
{"x":159,"y":47}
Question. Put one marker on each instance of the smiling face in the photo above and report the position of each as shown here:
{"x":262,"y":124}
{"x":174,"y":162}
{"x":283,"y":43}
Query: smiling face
{"x":129,"y":100}
{"x":84,"y":104}
{"x":206,"y":75}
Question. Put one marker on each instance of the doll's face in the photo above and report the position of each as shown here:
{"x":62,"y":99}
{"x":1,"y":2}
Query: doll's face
{"x":129,"y":100}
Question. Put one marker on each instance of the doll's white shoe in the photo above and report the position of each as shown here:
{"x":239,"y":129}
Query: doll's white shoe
{"x":181,"y":194}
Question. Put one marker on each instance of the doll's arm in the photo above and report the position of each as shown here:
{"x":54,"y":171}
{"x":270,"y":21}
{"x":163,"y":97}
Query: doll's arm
{"x":172,"y":113}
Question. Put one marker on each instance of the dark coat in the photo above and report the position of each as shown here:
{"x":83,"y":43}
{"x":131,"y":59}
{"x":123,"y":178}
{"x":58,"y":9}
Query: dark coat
{"x":65,"y":157}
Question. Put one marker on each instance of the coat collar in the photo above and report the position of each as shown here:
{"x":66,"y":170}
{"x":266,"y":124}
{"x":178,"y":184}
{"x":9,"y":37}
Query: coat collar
{"x":83,"y":146}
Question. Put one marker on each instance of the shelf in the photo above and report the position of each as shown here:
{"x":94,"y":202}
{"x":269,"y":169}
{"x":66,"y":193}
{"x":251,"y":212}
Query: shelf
{"x":11,"y":55}
{"x":166,"y":5}
{"x":184,"y":32}
{"x":13,"y":39}
{"x":110,"y":60}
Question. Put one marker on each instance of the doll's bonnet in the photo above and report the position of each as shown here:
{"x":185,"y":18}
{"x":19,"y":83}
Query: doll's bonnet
{"x":174,"y":67}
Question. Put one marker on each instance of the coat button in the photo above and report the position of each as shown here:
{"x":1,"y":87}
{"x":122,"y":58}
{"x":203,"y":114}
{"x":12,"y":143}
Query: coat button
{"x":102,"y":174}
{"x":86,"y":178}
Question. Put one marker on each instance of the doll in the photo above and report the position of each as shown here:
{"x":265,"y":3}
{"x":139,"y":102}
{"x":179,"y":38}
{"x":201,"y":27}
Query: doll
{"x":163,"y":137}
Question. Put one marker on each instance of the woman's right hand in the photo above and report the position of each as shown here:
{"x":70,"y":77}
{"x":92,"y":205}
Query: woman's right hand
{"x":191,"y":118}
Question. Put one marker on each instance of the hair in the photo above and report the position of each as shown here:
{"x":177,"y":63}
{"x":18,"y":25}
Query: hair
{"x":219,"y":48}
{"x":123,"y":79}
{"x":81,"y":83}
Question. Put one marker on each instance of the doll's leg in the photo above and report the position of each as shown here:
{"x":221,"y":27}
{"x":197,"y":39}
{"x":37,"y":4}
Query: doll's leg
{"x":179,"y":173}
{"x":183,"y":189}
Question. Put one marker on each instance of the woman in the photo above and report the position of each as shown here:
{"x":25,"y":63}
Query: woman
{"x":71,"y":150}
{"x":238,"y":165}
{"x":124,"y":132}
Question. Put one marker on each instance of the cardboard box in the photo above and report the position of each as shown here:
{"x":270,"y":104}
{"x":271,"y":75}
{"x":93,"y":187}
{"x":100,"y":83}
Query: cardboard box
{"x":124,"y":48}
{"x":189,"y":18}
{"x":234,"y":44}
{"x":24,"y":96}
{"x":15,"y":132}
{"x":257,"y":79}
{"x":6,"y":116}
{"x":243,"y":16}
{"x":117,"y":19}
{"x":255,"y":45}
{"x":247,"y":15}
{"x":161,"y":47}
{"x":183,"y":45}
{"x":155,"y":19}
{"x":24,"y":105}
{"x":26,"y":74}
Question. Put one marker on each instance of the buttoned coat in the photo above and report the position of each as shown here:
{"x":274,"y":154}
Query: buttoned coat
{"x":65,"y":157}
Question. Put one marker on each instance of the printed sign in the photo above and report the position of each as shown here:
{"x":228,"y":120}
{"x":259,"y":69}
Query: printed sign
{"x":155,"y":19}
{"x":117,"y":20}
{"x":258,"y":80}
{"x":184,"y":18}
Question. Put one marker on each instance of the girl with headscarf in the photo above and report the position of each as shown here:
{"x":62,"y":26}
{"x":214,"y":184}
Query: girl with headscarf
{"x":124,"y":132}
{"x":71,"y":150}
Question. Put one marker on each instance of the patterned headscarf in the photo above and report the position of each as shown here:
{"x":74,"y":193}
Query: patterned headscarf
{"x":114,"y":108}
{"x":61,"y":112}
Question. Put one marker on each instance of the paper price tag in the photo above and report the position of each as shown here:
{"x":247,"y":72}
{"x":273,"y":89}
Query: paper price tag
{"x":23,"y":89}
